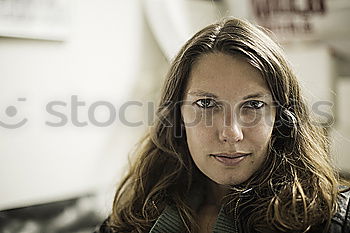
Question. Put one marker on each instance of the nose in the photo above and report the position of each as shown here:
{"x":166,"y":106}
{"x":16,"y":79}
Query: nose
{"x":231,"y":133}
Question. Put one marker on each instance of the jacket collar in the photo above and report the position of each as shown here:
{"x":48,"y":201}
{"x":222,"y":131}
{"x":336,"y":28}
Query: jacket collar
{"x":170,"y":221}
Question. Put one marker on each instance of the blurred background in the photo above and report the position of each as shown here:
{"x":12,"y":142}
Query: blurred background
{"x":80,"y":81}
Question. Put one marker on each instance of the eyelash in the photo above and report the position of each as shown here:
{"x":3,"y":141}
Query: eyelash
{"x":198,"y":101}
{"x":251,"y":104}
{"x":254,"y":104}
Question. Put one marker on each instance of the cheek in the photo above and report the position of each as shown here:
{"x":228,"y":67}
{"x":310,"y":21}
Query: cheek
{"x":194,"y":117}
{"x":256,"y":118}
{"x":199,"y":135}
{"x":198,"y":124}
{"x":260,"y":136}
{"x":263,"y":128}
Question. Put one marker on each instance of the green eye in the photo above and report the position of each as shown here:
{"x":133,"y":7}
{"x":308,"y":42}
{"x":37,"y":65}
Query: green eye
{"x":205,"y":103}
{"x":254,"y":104}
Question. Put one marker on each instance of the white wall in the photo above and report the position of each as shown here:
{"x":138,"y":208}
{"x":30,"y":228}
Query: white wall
{"x":314,"y":66}
{"x":102,"y":60}
{"x":341,"y":130}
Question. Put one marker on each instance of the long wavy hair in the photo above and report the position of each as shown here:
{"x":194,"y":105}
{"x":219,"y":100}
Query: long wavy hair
{"x":296,"y":188}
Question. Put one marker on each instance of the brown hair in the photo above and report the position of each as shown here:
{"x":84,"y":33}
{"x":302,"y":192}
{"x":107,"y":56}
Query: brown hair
{"x":295,"y":190}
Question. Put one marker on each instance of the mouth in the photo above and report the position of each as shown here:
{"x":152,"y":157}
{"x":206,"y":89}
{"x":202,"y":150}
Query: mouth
{"x":230,"y":159}
{"x":230,"y":156}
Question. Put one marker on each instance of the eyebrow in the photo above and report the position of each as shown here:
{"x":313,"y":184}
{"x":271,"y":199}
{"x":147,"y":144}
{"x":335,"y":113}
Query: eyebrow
{"x":208,"y":94}
{"x":257,"y":95}
{"x":203,"y":93}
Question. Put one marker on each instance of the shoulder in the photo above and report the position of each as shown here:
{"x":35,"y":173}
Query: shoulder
{"x":341,"y":220}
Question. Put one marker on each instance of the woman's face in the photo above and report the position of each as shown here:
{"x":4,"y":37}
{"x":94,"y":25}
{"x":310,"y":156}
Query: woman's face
{"x":229,"y":115}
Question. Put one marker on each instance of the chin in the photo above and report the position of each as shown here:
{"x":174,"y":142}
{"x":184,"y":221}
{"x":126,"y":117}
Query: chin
{"x":227,"y":182}
{"x":230,"y":180}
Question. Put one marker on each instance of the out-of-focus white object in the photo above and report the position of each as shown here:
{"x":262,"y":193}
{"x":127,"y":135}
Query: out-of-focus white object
{"x":315,"y":69}
{"x":291,"y":21}
{"x":340,"y":147}
{"x":340,"y":133}
{"x":343,"y":102}
{"x":37,"y":19}
{"x":174,"y":22}
{"x":100,"y":62}
{"x":324,"y":21}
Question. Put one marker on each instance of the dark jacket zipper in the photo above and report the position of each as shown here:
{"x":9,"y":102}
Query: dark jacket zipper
{"x":235,"y":221}
{"x":235,"y":213}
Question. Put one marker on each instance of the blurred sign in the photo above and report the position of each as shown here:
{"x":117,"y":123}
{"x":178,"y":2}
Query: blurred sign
{"x":36,"y":19}
{"x":303,"y":19}
{"x":290,"y":16}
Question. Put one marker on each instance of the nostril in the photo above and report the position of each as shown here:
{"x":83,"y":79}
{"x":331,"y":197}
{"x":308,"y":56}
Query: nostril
{"x":231,"y":134}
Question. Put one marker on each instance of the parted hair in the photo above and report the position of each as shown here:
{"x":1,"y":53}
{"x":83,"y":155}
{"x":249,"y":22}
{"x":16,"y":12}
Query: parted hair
{"x":296,"y":188}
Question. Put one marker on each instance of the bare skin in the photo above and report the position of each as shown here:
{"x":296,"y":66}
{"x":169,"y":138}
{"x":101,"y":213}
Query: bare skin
{"x":209,"y":210}
{"x":207,"y":215}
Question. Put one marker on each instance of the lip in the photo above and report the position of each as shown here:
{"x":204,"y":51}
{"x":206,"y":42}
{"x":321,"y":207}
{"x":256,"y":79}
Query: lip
{"x":230,"y":159}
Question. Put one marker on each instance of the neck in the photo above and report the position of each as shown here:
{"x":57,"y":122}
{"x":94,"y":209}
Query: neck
{"x":215,"y":193}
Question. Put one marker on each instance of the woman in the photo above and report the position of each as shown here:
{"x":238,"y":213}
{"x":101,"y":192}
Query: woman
{"x":234,"y":148}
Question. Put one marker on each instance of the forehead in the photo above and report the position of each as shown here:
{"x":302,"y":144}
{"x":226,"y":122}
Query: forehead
{"x":225,"y":75}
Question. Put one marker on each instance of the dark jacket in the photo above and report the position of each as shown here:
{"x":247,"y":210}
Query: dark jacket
{"x":170,"y":222}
